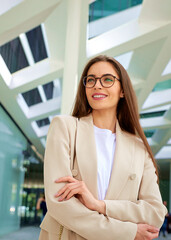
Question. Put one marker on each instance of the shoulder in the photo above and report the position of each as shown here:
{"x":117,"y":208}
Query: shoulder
{"x":64,"y":121}
{"x":137,"y":141}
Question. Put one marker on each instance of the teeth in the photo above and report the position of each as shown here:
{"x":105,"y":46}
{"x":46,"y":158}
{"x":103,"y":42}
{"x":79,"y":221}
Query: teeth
{"x":98,"y":96}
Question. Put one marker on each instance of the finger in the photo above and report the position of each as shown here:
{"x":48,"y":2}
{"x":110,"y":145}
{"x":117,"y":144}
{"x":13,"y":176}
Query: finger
{"x":66,"y":179}
{"x":68,"y":192}
{"x":72,"y":193}
{"x":62,"y":197}
{"x":62,"y":190}
{"x":153,"y":235}
{"x":152,"y":229}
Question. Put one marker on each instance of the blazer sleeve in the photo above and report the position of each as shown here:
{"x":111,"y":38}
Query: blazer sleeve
{"x":72,"y":214}
{"x":148,"y":208}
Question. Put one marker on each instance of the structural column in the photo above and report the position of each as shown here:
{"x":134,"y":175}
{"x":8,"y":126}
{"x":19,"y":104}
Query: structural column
{"x":75,"y":50}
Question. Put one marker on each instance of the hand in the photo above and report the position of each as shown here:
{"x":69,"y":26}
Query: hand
{"x":79,"y":190}
{"x":146,"y":232}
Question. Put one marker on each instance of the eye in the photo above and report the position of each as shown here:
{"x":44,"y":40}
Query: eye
{"x":108,"y":80}
{"x":90,"y":80}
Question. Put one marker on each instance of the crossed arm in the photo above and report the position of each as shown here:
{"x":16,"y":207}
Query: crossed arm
{"x":77,"y":217}
{"x":148,"y":209}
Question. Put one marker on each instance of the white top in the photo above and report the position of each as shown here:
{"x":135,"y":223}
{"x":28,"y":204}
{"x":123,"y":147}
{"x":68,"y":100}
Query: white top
{"x":105,"y":148}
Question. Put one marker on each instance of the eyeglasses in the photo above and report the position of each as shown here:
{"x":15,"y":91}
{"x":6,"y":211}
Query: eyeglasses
{"x":106,"y":80}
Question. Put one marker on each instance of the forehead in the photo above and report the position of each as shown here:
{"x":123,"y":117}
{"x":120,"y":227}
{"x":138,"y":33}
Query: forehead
{"x":101,"y":68}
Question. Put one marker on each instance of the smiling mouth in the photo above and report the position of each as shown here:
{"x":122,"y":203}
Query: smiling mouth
{"x":99,"y":96}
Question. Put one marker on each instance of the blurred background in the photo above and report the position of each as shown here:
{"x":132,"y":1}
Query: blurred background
{"x":44,"y":46}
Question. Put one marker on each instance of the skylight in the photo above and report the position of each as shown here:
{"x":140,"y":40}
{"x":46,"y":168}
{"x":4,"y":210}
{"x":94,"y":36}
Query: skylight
{"x":43,"y":122}
{"x":25,"y":50}
{"x":13,"y":55}
{"x":37,"y":45}
{"x":43,"y":93}
{"x":32,"y":97}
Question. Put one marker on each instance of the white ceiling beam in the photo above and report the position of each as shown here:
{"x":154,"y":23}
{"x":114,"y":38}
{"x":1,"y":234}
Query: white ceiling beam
{"x":155,"y":11}
{"x":129,"y":36}
{"x":5,"y":74}
{"x":37,"y":12}
{"x":27,"y":49}
{"x":155,"y":71}
{"x":43,"y":109}
{"x":162,"y":136}
{"x":157,"y":99}
{"x":40,"y":73}
{"x":155,"y":123}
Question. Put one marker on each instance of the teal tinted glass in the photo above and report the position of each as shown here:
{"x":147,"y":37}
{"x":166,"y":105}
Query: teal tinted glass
{"x":152,"y":114}
{"x":103,"y":8}
{"x":149,"y":133}
{"x":162,"y":85}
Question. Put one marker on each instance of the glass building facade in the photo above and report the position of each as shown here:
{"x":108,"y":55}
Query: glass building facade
{"x":12,"y":145}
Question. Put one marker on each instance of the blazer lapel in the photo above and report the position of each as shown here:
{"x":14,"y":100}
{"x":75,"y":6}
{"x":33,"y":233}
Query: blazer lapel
{"x":86,"y":153}
{"x":87,"y":158}
{"x":122,"y":165}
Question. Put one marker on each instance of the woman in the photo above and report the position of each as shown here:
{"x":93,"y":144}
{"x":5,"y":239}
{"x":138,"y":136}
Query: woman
{"x":101,"y":179}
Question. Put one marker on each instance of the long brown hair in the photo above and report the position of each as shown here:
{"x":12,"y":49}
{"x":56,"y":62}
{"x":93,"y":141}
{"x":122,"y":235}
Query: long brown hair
{"x":127,"y":108}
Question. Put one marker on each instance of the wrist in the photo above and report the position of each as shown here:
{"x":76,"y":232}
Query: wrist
{"x":101,"y":207}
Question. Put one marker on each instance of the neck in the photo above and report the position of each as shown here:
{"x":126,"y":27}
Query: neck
{"x":105,"y":119}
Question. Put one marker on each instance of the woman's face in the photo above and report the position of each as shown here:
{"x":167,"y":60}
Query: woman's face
{"x":109,"y":96}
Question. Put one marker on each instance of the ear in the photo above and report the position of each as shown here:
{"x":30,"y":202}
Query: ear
{"x":122,"y":94}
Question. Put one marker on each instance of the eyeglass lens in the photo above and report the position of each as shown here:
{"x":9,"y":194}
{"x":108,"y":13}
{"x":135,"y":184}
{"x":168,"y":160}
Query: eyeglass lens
{"x":106,"y":81}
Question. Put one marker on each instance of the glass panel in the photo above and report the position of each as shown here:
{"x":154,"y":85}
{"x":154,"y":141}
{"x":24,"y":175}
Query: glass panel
{"x":12,"y":145}
{"x":162,"y":85}
{"x":13,"y":55}
{"x":149,"y":133}
{"x":43,"y":122}
{"x":152,"y":114}
{"x":32,"y":97}
{"x":52,"y":89}
{"x":103,"y":8}
{"x":37,"y":45}
{"x":48,"y":89}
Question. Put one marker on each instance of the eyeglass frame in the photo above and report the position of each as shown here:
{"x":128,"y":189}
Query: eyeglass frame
{"x":107,"y":74}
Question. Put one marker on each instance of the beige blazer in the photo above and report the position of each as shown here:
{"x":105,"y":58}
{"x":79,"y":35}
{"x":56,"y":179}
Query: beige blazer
{"x":133,"y":195}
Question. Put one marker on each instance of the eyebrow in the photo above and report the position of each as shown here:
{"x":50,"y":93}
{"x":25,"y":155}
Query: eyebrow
{"x":93,"y":75}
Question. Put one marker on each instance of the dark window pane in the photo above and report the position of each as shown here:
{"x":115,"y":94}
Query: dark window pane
{"x":13,"y":55}
{"x":48,"y":89}
{"x":152,"y":114}
{"x":37,"y":45}
{"x":43,"y":122}
{"x":149,"y":133}
{"x":32,"y":97}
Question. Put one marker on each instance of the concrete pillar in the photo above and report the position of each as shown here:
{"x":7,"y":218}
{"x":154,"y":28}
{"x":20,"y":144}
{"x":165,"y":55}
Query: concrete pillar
{"x":75,"y":51}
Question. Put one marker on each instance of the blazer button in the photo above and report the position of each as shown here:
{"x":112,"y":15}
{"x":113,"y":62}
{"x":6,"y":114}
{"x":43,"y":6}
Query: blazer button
{"x":74,"y":172}
{"x":132,"y":176}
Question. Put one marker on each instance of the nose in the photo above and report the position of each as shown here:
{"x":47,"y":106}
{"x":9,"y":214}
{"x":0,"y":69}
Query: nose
{"x":98,"y":84}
